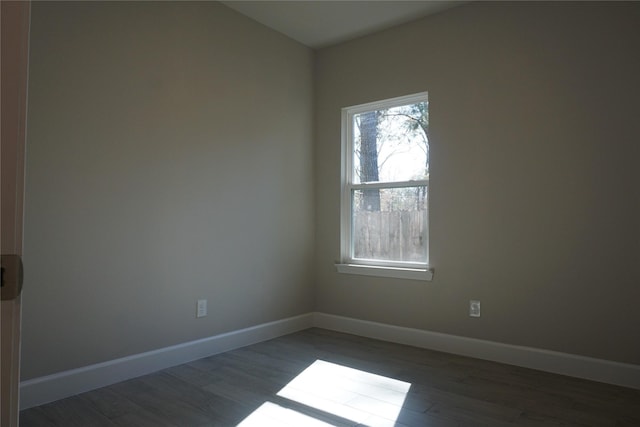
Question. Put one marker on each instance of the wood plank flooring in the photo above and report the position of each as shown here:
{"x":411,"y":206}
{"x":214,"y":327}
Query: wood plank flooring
{"x":323,"y":378}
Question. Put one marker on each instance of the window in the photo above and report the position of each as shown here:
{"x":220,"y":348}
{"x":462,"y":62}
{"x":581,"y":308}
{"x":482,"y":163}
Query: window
{"x":385,"y":188}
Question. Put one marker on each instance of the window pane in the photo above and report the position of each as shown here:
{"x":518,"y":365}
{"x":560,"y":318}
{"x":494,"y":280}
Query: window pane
{"x":391,"y":144}
{"x":390,"y":224}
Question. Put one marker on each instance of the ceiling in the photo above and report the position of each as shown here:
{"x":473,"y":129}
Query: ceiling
{"x":320,"y":23}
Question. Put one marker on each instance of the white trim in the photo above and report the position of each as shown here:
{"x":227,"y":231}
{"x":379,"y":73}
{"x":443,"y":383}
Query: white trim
{"x":57,"y":386}
{"x":383,"y":271}
{"x":389,"y":102}
{"x":606,"y":371}
{"x":345,"y":178}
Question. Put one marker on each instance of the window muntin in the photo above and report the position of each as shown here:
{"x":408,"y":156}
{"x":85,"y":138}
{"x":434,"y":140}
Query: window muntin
{"x":386,"y":183}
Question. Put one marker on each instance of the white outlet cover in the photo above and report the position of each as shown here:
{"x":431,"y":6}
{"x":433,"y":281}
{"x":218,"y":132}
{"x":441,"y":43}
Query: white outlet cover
{"x":474,"y":308}
{"x":201,"y":309}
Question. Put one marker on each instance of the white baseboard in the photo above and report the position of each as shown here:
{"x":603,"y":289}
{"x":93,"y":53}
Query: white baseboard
{"x":57,"y":386}
{"x":605,"y":371}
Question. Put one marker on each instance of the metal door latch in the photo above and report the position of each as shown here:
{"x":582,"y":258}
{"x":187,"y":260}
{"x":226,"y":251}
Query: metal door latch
{"x":11,"y":276}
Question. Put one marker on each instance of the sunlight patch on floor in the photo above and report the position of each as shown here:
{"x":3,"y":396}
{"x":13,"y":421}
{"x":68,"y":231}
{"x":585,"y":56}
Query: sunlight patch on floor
{"x":349,"y":394}
{"x":269,"y":414}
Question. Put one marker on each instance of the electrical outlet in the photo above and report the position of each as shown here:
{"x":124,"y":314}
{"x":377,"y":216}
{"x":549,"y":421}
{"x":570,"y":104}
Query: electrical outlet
{"x":201,"y":308}
{"x":474,"y":308}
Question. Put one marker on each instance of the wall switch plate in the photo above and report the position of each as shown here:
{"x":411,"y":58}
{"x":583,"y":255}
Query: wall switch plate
{"x":474,"y":308}
{"x":201,"y":309}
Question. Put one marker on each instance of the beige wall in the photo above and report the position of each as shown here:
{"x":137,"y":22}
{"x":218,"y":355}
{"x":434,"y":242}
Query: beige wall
{"x":535,"y":204}
{"x":169,"y":159}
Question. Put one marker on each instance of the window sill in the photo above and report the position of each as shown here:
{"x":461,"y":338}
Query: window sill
{"x":378,"y":271}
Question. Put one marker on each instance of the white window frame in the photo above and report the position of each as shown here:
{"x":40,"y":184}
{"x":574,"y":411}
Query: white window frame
{"x":381,"y":268}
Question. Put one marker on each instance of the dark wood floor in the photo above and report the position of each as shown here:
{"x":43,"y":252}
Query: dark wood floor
{"x":322,"y":378}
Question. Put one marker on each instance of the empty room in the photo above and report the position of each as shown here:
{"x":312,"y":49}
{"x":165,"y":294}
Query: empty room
{"x":321,"y":213}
